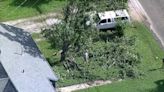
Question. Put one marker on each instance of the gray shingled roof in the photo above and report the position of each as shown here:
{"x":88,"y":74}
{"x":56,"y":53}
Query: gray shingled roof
{"x":5,"y":83}
{"x":23,"y":62}
{"x":3,"y":73}
{"x":8,"y":86}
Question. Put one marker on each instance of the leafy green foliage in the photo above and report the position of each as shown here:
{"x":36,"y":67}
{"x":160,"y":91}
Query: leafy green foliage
{"x":111,"y":4}
{"x":120,"y":27}
{"x":119,"y":53}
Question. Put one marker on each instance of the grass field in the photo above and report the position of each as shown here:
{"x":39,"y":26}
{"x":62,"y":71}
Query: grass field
{"x":152,"y":54}
{"x":11,"y":9}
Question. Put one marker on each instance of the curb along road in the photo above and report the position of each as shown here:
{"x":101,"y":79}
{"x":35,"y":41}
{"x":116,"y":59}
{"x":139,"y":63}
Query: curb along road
{"x":154,"y":17}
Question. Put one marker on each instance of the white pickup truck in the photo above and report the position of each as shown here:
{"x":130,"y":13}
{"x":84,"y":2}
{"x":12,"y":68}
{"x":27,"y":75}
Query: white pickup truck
{"x":108,"y":19}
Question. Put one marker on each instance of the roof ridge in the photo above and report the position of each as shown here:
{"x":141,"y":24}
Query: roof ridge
{"x":4,"y":78}
{"x":3,"y":83}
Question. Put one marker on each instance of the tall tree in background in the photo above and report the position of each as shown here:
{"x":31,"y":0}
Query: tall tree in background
{"x":72,"y":33}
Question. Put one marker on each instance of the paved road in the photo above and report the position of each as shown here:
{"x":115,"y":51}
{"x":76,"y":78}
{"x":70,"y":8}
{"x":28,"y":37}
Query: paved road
{"x":155,"y":10}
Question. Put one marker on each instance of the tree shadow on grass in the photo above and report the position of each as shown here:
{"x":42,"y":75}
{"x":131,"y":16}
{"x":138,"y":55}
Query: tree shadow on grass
{"x":30,"y":3}
{"x":107,"y":36}
{"x":159,"y":88}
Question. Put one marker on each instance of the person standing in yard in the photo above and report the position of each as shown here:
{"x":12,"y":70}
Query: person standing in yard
{"x":86,"y":56}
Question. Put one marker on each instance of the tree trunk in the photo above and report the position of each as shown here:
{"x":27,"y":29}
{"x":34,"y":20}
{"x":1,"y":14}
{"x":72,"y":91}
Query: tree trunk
{"x":63,"y":55}
{"x":64,"y":51}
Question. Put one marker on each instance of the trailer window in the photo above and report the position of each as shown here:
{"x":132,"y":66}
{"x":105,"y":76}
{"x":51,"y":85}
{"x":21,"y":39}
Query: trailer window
{"x":109,"y":20}
{"x":102,"y":21}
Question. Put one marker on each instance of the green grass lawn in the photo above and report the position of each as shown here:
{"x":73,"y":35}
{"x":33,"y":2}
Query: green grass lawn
{"x":152,"y":54}
{"x":10,"y":11}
